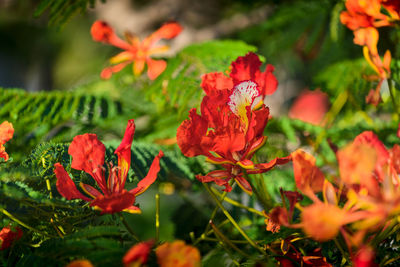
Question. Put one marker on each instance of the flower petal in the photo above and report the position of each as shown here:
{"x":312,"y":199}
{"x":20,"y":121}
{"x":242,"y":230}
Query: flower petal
{"x":138,"y":66}
{"x":244,"y":184}
{"x":114,"y":203}
{"x":124,"y":153}
{"x":138,"y":253}
{"x":166,"y":31}
{"x":212,"y":82}
{"x":108,"y":72}
{"x":306,"y":174}
{"x":65,"y":186}
{"x":150,"y":177}
{"x":6,"y":133}
{"x":244,"y":68}
{"x":122,"y":57}
{"x":102,"y":32}
{"x":190,"y":135}
{"x":155,"y":68}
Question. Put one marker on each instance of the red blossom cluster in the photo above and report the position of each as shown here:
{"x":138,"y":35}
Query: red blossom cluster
{"x":363,"y":18}
{"x":360,"y":203}
{"x":136,"y":52}
{"x":231,"y":126}
{"x":88,"y":155}
{"x":9,"y":236}
{"x":6,"y":133}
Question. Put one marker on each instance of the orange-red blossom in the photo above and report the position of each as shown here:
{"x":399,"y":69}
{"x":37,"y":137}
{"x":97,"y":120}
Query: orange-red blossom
{"x":364,"y":199}
{"x":363,"y":18}
{"x":136,"y":52}
{"x":6,"y":133}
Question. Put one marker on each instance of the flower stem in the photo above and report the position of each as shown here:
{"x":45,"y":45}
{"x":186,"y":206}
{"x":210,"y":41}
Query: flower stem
{"x":157,"y":217}
{"x":264,"y":198}
{"x":226,"y":240}
{"x":391,"y":90}
{"x":128,"y":228}
{"x":235,"y":203}
{"x":230,"y":218}
{"x":24,"y":224}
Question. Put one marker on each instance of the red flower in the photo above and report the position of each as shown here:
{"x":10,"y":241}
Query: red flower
{"x":232,"y":121}
{"x":135,"y":51}
{"x":138,"y":254}
{"x":310,"y":106}
{"x":6,"y":133}
{"x":88,"y":155}
{"x":7,"y":236}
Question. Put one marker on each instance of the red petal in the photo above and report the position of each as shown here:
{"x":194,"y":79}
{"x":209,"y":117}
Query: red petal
{"x":65,"y":186}
{"x":90,"y":190}
{"x":102,"y":32}
{"x":114,"y":203}
{"x":310,"y":106}
{"x":124,"y":152}
{"x":155,"y":68}
{"x":6,"y":132}
{"x":244,"y":184}
{"x":220,"y":177}
{"x":190,"y":135}
{"x":369,"y":138}
{"x":138,"y":253}
{"x":216,"y":81}
{"x":150,"y":177}
{"x":7,"y":236}
{"x":264,"y":167}
{"x":167,"y":31}
{"x":267,"y":80}
{"x":87,"y":153}
{"x":306,"y":174}
{"x":108,"y":72}
{"x":245,"y":68}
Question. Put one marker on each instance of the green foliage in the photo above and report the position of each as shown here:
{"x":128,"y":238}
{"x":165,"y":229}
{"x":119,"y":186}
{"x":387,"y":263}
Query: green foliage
{"x":46,"y":115}
{"x":61,"y":11}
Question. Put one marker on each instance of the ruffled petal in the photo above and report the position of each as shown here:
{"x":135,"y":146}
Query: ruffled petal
{"x":150,"y":177}
{"x":245,"y":68}
{"x":87,"y":153}
{"x":124,"y":153}
{"x":216,"y":81}
{"x":190,"y":135}
{"x":65,"y":186}
{"x":155,"y":68}
{"x":114,"y":203}
{"x":90,"y":190}
{"x":220,"y":177}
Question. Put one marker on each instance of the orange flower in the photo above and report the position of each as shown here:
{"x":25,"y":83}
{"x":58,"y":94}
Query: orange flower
{"x":322,"y":221}
{"x":6,"y":133}
{"x":135,"y":51}
{"x":178,"y":254}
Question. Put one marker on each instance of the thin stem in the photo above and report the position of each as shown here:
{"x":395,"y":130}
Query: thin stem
{"x":157,"y":217}
{"x":264,"y":199}
{"x":24,"y":224}
{"x":230,"y":218}
{"x":237,"y":204}
{"x":224,"y":239}
{"x":128,"y":228}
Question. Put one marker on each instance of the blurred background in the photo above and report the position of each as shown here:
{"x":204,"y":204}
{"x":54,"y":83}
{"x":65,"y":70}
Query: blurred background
{"x":45,"y":49}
